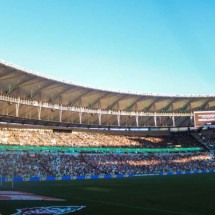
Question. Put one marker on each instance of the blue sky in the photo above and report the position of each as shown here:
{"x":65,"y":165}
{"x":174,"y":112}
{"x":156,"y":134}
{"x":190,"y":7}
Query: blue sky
{"x":150,"y":46}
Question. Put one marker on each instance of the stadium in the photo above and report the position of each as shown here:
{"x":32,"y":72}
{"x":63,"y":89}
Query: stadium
{"x":56,"y":134}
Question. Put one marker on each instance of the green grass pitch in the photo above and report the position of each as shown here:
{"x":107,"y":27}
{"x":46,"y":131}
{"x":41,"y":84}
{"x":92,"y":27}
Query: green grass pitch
{"x":152,"y":195}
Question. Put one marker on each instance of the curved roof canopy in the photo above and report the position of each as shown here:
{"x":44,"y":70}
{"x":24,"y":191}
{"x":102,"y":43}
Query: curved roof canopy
{"x":18,"y":82}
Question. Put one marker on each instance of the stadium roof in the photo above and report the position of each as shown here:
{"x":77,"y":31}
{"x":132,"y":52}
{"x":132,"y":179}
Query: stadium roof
{"x":18,"y":82}
{"x":23,"y":84}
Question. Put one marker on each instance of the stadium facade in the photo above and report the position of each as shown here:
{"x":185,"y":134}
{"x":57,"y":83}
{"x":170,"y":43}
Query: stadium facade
{"x":29,"y":98}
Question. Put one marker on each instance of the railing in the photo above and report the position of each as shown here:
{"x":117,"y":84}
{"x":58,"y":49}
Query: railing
{"x":86,"y":110}
{"x":102,"y":176}
{"x":93,"y":149}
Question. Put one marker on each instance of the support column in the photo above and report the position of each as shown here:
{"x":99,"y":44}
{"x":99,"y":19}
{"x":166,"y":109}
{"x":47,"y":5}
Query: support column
{"x":173,"y":120}
{"x":39,"y":111}
{"x":137,"y":120}
{"x":80,"y":117}
{"x":118,"y":119}
{"x":100,"y":118}
{"x":155,"y":119}
{"x":60,"y":117}
{"x":17,"y":107}
{"x":17,"y":110}
{"x":191,"y":119}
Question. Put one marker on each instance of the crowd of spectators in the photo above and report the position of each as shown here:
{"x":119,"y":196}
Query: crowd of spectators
{"x":41,"y":137}
{"x":25,"y":164}
{"x":207,"y":138}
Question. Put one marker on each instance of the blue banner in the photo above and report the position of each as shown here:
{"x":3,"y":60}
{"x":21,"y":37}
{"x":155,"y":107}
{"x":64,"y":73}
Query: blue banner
{"x":103,"y":176}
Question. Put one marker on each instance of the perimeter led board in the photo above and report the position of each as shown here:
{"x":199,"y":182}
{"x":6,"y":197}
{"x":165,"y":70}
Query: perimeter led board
{"x":202,"y":118}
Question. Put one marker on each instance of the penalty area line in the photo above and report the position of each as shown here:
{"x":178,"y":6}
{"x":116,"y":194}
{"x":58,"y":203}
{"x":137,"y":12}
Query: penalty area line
{"x":137,"y":207}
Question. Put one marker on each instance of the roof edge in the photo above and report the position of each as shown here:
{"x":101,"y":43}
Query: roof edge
{"x":22,"y":69}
